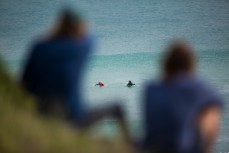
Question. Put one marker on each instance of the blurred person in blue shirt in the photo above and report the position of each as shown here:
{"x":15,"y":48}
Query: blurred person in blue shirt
{"x":53,"y":73}
{"x":181,"y":112}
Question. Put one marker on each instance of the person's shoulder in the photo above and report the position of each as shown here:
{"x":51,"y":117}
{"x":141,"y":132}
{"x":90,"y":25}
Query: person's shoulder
{"x":203,"y":83}
{"x":209,"y":92}
{"x":86,"y":41}
{"x":191,"y":81}
{"x":154,"y":86}
{"x":200,"y":84}
{"x":40,"y":42}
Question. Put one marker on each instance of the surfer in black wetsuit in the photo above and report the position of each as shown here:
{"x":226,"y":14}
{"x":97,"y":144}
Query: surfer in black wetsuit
{"x":100,"y":84}
{"x":130,"y":84}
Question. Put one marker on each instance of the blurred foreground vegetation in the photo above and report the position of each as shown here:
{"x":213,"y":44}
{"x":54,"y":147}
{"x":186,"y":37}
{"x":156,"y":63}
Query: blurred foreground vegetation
{"x":22,"y":130}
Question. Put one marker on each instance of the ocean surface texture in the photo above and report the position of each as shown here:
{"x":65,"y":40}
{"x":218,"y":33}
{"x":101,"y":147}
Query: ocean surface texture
{"x":130,"y":38}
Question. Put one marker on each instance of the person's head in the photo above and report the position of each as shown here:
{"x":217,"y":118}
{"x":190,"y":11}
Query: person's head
{"x":129,"y":81}
{"x":179,"y":58}
{"x":70,"y":24}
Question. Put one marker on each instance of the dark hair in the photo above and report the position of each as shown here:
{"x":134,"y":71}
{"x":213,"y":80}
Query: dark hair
{"x":68,"y":24}
{"x":179,"y":58}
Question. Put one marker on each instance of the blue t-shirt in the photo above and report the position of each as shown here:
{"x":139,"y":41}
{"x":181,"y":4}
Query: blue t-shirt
{"x":54,"y":70}
{"x":171,"y":110}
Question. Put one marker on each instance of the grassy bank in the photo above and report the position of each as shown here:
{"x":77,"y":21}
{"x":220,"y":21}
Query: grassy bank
{"x":22,"y":130}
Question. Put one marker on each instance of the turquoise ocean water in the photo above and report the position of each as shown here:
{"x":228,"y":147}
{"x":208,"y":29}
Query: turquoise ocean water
{"x":130,"y":38}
